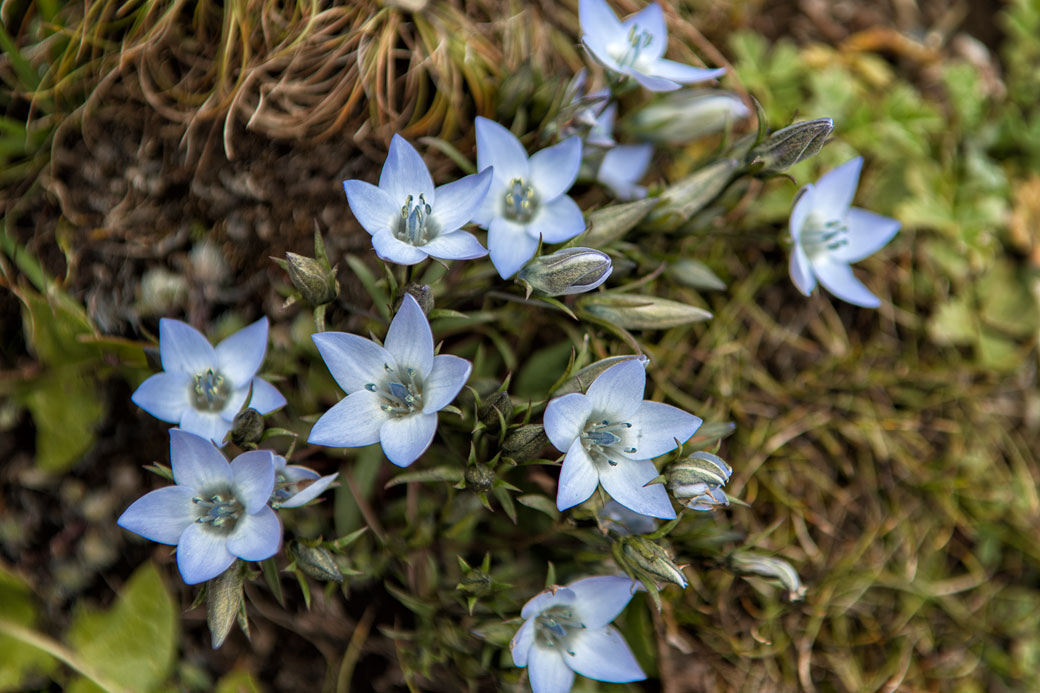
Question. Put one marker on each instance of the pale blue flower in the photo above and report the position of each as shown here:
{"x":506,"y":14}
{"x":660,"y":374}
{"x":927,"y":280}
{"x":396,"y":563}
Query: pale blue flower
{"x":201,"y":387}
{"x":408,"y":218}
{"x":567,"y":630}
{"x":623,"y":167}
{"x":596,"y":117}
{"x":636,"y":46}
{"x":610,"y":435}
{"x":624,"y":522}
{"x":393,"y":391}
{"x":829,"y":234}
{"x":527,"y":199}
{"x":295,"y":486}
{"x":215,"y":513}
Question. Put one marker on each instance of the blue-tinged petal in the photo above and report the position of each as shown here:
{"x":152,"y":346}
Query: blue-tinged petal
{"x":353,"y":361}
{"x":547,"y":599}
{"x":161,"y":515}
{"x":196,"y":462}
{"x":405,"y":173}
{"x":578,"y":477}
{"x":655,"y":83}
{"x":389,"y":248}
{"x":266,"y":398}
{"x":458,"y":245}
{"x":522,"y":643}
{"x":236,"y":400}
{"x":372,"y":206}
{"x":600,"y":599}
{"x":557,"y":221}
{"x":599,"y":49}
{"x":601,"y":133}
{"x":352,"y":423}
{"x":406,"y":438}
{"x":685,"y":74}
{"x":866,"y":234}
{"x":801,"y":271}
{"x":603,"y":654}
{"x":650,"y":19}
{"x":618,"y":391}
{"x":498,"y":147}
{"x":294,"y":473}
{"x":597,"y":19}
{"x":202,"y":554}
{"x":547,"y":672}
{"x":448,"y":375}
{"x":240,"y":355}
{"x":625,"y":484}
{"x":207,"y":424}
{"x":164,"y":395}
{"x":310,"y":493}
{"x":803,"y":207}
{"x":510,"y":245}
{"x":183,"y":349}
{"x":565,"y":418}
{"x":256,"y":536}
{"x":554,"y":169}
{"x":656,"y":427}
{"x":492,"y":204}
{"x":409,"y":339}
{"x":252,"y":478}
{"x":622,"y":167}
{"x":836,"y":188}
{"x":837,"y":278}
{"x":459,"y":201}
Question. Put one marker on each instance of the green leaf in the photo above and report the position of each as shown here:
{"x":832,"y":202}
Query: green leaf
{"x":539,"y":502}
{"x":19,"y":658}
{"x":66,"y":407}
{"x":445,"y":473}
{"x":954,"y":322}
{"x":695,"y":274}
{"x":368,"y":280}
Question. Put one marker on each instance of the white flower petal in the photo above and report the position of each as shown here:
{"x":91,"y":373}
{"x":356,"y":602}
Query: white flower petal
{"x":578,"y":477}
{"x":372,"y":206}
{"x":596,"y":18}
{"x":352,"y":423}
{"x":406,"y":438}
{"x":803,"y":206}
{"x":867,"y":233}
{"x":835,"y":190}
{"x":458,"y":245}
{"x":240,"y":355}
{"x":266,"y":398}
{"x":404,"y":173}
{"x":522,"y":643}
{"x":492,"y":204}
{"x":499,"y":148}
{"x":458,"y":201}
{"x":409,"y":339}
{"x":801,"y":271}
{"x":600,"y":599}
{"x":390,"y":248}
{"x":651,"y":20}
{"x":256,"y":536}
{"x":164,"y":395}
{"x":554,"y":169}
{"x":447,"y":377}
{"x":599,"y":49}
{"x":209,"y":425}
{"x":622,"y":167}
{"x":202,"y":554}
{"x":557,"y":221}
{"x":603,"y":654}
{"x":183,"y":349}
{"x":656,"y":427}
{"x":196,"y":462}
{"x":252,"y":478}
{"x":546,"y":599}
{"x":618,"y":391}
{"x":654,"y":83}
{"x":685,"y":74}
{"x":625,"y":484}
{"x":547,"y":672}
{"x":161,"y":515}
{"x":353,"y":361}
{"x":837,"y":278}
{"x":565,"y":418}
{"x":510,"y":245}
{"x":306,"y":495}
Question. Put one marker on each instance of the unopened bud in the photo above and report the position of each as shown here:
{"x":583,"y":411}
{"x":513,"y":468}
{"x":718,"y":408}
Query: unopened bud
{"x":496,"y":407}
{"x":610,"y":223}
{"x":479,"y":478}
{"x":683,"y":199}
{"x":696,"y":481}
{"x":580,"y":381}
{"x":224,"y":603}
{"x":750,"y":563}
{"x":475,"y":581}
{"x":567,"y":271}
{"x":787,"y":146}
{"x":525,"y":442}
{"x":423,"y":295}
{"x":652,"y":559}
{"x":637,"y":312}
{"x":687,"y":115}
{"x":317,"y":284}
{"x":316,"y":561}
{"x":247,"y":426}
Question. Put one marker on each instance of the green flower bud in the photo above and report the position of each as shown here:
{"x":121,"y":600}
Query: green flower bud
{"x":651,"y":559}
{"x":479,"y":478}
{"x":525,"y":442}
{"x":787,"y":146}
{"x":317,"y":284}
{"x":697,"y":481}
{"x":494,"y":404}
{"x":224,"y":602}
{"x":316,"y":561}
{"x":750,"y":563}
{"x":610,"y":223}
{"x":247,"y":427}
{"x":687,"y":115}
{"x":683,"y":199}
{"x":423,"y":295}
{"x":637,"y":312}
{"x":580,"y":381}
{"x":567,"y":271}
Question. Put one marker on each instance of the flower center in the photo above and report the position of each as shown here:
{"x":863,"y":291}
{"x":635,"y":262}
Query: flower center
{"x":401,"y":395}
{"x":552,"y":625}
{"x":414,"y":226}
{"x":210,"y":391}
{"x":219,"y":511}
{"x":601,"y":440}
{"x":637,"y":41}
{"x":820,"y":237}
{"x":521,"y":201}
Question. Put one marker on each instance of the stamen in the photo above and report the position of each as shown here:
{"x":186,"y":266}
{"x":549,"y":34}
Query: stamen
{"x":210,"y":391}
{"x":637,"y":42}
{"x":521,"y":201}
{"x":412,"y":228}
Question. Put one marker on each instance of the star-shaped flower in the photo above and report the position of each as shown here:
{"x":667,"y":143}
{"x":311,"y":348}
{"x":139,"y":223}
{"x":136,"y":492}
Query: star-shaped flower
{"x":567,"y":630}
{"x":610,"y":435}
{"x":622,"y":168}
{"x":393,"y":391}
{"x":408,"y":218}
{"x":829,"y":234}
{"x":215,"y":513}
{"x":201,"y":387}
{"x":527,"y":199}
{"x":636,"y":46}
